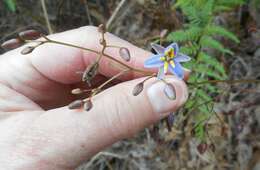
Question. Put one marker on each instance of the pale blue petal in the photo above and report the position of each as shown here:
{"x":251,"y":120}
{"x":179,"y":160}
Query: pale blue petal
{"x":158,"y":48}
{"x":154,"y":61}
{"x":182,"y":58}
{"x":160,"y":74}
{"x":174,"y":46}
{"x":177,"y":70}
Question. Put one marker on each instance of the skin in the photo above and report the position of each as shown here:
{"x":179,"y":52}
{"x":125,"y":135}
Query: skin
{"x":38,"y":131}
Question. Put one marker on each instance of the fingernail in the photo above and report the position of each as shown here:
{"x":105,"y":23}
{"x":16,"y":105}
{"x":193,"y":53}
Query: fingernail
{"x":161,"y":102}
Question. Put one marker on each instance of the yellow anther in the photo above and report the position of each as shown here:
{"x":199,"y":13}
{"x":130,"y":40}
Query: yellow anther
{"x":172,"y":63}
{"x":162,"y":58}
{"x":165,"y":68}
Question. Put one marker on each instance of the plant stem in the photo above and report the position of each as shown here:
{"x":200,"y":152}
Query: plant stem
{"x":113,"y":78}
{"x":144,"y":72}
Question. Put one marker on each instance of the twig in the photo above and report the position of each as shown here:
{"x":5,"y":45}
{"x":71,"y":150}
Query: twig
{"x":115,"y":13}
{"x":46,"y":16}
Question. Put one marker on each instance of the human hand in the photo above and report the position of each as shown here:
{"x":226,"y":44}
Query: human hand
{"x":37,"y":130}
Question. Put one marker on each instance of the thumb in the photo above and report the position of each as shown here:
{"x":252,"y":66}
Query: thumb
{"x":71,"y":136}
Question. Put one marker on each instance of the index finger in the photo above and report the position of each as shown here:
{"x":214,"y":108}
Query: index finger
{"x":61,"y":63}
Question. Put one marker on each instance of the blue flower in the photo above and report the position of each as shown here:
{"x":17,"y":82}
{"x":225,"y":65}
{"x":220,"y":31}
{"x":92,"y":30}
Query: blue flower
{"x":167,"y":58}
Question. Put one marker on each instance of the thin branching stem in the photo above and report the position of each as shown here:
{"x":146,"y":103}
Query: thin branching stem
{"x":141,"y":71}
{"x":113,"y":78}
{"x":144,"y":72}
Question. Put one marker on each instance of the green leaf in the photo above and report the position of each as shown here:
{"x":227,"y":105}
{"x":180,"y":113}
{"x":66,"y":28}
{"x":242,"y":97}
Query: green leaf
{"x":177,"y":36}
{"x":201,"y":93}
{"x":212,"y":30}
{"x":190,"y":34}
{"x":207,"y":41}
{"x":211,"y":89}
{"x":230,"y":3}
{"x":189,"y":49}
{"x":204,"y":70}
{"x":11,"y":5}
{"x":200,"y":131}
{"x":212,"y":62}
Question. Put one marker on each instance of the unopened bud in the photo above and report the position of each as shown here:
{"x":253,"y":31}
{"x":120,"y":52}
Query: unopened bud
{"x":88,"y":105}
{"x":29,"y":34}
{"x":124,"y":53}
{"x":138,"y":89}
{"x":101,"y":28}
{"x":11,"y":44}
{"x":27,"y":50}
{"x":90,"y":73}
{"x":76,"y":91}
{"x":76,"y":104}
{"x":169,"y":91}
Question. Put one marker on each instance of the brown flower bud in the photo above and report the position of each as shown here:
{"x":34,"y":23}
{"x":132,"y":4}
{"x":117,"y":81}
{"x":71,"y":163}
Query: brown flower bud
{"x":169,"y":91}
{"x":101,"y":28}
{"x":27,"y":50}
{"x":90,"y":73}
{"x":124,"y":53}
{"x":202,"y":148}
{"x":76,"y":91}
{"x":138,"y":89}
{"x":76,"y":104}
{"x":88,"y":105}
{"x":29,"y":34}
{"x":11,"y":44}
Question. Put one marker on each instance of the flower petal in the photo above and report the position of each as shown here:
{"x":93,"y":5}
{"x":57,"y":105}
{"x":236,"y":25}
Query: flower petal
{"x":158,"y":48}
{"x":160,"y":74}
{"x":154,"y":61}
{"x":177,"y":70}
{"x":182,"y":58}
{"x":175,"y":47}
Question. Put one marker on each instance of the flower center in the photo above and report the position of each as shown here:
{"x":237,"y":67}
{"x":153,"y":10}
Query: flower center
{"x":169,"y":55}
{"x":168,"y":59}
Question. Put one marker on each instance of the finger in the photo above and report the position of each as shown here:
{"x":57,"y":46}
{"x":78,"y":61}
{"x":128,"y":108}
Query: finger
{"x":60,"y":63}
{"x":67,"y":137}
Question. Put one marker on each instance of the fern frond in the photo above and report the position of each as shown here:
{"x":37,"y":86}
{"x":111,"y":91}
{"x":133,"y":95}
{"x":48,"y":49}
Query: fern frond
{"x":212,"y":30}
{"x":229,"y":3}
{"x":190,"y":34}
{"x":202,"y":94}
{"x":213,"y":62}
{"x":203,"y":69}
{"x":207,"y":41}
